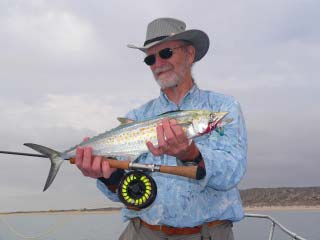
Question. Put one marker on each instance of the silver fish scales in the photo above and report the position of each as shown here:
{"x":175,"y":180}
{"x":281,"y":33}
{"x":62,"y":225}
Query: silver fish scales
{"x":128,"y":141}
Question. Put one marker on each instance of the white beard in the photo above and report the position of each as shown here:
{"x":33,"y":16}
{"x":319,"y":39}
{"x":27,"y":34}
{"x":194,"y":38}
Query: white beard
{"x":174,"y":78}
{"x":173,"y":82}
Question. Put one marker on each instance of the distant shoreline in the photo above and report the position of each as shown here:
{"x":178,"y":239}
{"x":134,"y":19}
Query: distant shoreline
{"x":254,"y":199}
{"x":116,"y":210}
{"x":70,"y":211}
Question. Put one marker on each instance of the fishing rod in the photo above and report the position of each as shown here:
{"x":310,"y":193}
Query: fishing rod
{"x":184,"y":171}
{"x":137,"y":190}
{"x":24,"y":154}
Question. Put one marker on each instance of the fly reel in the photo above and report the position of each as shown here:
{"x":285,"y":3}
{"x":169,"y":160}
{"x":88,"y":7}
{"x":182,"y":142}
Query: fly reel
{"x":137,"y":190}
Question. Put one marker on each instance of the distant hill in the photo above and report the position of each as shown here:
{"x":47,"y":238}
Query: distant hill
{"x":284,"y":196}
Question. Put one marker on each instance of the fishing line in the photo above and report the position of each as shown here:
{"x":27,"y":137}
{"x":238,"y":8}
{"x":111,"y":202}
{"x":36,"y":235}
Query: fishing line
{"x":54,"y":227}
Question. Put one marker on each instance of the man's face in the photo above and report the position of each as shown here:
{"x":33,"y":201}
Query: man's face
{"x":170,"y":72}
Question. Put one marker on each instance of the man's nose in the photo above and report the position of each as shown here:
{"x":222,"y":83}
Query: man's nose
{"x":159,"y":62}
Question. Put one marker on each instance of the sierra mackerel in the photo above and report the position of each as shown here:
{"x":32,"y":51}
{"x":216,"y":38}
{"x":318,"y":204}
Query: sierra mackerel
{"x":128,"y":141}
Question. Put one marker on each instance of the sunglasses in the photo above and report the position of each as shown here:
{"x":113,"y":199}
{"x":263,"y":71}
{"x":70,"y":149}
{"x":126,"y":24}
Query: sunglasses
{"x":165,"y":53}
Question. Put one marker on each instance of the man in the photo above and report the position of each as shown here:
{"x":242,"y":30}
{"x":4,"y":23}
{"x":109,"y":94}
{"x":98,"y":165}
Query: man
{"x":184,"y":208}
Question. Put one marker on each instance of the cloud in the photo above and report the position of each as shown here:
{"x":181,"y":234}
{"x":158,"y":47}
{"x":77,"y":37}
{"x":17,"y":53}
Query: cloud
{"x":59,"y":114}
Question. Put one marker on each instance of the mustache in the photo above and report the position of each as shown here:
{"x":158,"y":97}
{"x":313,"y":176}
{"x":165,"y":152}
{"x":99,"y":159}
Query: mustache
{"x":162,"y":69}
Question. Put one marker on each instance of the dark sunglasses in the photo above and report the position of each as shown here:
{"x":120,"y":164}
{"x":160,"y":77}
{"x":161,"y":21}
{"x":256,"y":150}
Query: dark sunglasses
{"x":165,"y":53}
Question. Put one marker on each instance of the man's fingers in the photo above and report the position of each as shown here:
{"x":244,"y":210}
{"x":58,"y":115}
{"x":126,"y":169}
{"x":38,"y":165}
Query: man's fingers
{"x":87,"y":158}
{"x":178,"y":131}
{"x":79,"y":161}
{"x":170,"y":137}
{"x":79,"y":156}
{"x":161,"y":138}
{"x":96,"y":166}
{"x":92,"y":166}
{"x":106,"y":170}
{"x":155,"y":151}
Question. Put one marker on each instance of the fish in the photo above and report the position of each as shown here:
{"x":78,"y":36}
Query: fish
{"x":128,"y":140}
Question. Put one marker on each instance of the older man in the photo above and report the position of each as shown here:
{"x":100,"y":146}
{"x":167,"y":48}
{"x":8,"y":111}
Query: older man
{"x":184,"y":208}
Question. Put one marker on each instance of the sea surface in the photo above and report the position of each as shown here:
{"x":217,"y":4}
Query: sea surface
{"x":108,"y":226}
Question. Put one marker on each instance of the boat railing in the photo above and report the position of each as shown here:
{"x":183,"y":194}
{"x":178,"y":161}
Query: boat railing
{"x":274,"y":223}
{"x":59,"y":224}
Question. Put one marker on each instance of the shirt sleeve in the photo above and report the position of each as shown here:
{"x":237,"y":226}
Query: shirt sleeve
{"x":225,"y":152}
{"x":103,"y":188}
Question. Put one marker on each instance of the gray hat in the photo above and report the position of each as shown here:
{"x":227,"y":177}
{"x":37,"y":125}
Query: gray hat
{"x":169,"y":29}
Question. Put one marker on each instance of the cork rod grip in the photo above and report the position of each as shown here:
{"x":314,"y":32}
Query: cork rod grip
{"x":112,"y":162}
{"x":184,"y":171}
{"x":194,"y":172}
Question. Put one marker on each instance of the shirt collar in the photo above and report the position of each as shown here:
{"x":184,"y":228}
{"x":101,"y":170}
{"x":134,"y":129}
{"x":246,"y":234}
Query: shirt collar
{"x":165,"y":100}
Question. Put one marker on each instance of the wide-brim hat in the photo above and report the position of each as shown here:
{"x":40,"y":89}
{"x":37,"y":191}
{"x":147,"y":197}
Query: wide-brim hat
{"x":169,"y":29}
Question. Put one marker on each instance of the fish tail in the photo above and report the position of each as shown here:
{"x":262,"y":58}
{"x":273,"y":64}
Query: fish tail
{"x":55,"y":159}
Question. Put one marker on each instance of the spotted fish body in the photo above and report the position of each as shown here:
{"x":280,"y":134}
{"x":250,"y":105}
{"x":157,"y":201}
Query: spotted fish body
{"x":129,"y":140}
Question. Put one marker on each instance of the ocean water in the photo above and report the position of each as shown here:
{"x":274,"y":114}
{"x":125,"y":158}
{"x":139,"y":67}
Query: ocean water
{"x":108,"y":226}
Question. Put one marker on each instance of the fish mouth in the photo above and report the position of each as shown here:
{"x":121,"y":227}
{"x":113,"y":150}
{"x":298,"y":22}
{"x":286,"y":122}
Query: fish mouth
{"x":214,"y":119}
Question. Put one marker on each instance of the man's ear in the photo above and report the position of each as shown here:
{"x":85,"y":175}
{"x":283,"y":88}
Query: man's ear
{"x":191,"y":54}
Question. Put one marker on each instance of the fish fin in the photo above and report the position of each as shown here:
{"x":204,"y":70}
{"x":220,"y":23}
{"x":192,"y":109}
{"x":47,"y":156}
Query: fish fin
{"x":123,"y":120}
{"x":55,"y":158}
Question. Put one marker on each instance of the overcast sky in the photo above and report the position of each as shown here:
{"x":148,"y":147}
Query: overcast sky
{"x":66,"y":73}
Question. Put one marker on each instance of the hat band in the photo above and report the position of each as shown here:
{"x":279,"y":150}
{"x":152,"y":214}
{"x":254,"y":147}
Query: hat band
{"x":154,"y":40}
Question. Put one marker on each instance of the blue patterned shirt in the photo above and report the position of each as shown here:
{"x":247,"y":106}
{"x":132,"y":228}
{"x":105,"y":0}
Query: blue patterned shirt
{"x":183,"y":202}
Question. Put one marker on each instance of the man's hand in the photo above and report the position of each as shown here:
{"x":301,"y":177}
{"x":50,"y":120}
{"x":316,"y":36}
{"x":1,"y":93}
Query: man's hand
{"x":173,"y":141}
{"x":92,"y":166}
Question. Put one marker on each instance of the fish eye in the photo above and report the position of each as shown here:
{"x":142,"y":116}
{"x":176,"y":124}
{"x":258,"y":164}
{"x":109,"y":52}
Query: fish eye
{"x":211,"y":117}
